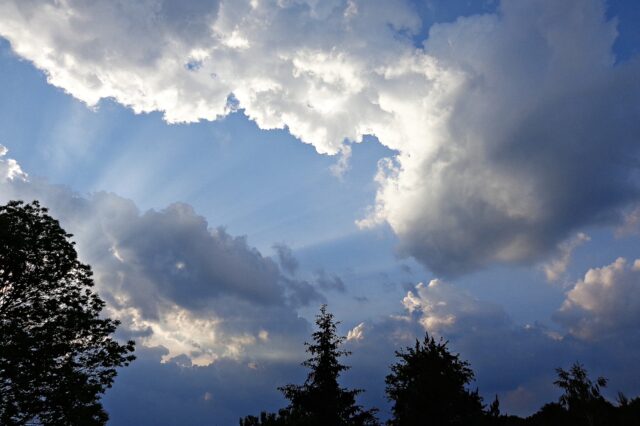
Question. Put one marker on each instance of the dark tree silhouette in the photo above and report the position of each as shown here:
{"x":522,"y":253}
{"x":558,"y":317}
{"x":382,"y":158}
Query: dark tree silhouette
{"x":320,"y":400}
{"x":427,"y":386}
{"x":268,"y":419}
{"x":628,"y":410}
{"x":494,"y":408}
{"x":57,"y":355}
{"x":550,"y":414}
{"x":578,"y":388}
{"x":582,"y":397}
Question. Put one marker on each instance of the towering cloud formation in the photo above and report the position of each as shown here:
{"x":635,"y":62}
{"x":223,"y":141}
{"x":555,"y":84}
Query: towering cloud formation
{"x":512,"y":130}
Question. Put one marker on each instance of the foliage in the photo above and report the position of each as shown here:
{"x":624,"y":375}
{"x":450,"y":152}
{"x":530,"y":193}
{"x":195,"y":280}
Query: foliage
{"x":267,"y":419}
{"x":579,"y":390}
{"x":551,"y":414}
{"x":57,"y":355}
{"x":582,"y":397}
{"x":628,"y":411}
{"x":582,"y":403}
{"x":320,"y":400}
{"x":428,"y":386}
{"x":494,"y":408}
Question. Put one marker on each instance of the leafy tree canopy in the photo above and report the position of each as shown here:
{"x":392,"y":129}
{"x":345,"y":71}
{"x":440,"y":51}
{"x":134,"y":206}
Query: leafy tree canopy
{"x":578,"y":388}
{"x":582,"y":397}
{"x":57,"y":355}
{"x":427,"y":386}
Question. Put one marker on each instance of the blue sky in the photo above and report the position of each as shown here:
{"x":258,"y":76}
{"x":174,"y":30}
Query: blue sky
{"x":226,"y":167}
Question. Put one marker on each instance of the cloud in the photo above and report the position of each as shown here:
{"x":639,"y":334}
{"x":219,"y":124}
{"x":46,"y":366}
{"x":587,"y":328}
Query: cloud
{"x":329,"y":282}
{"x":287,"y":260}
{"x":187,"y":60}
{"x":529,"y":142}
{"x":630,"y":222}
{"x":356,"y":333}
{"x":9,"y":168}
{"x":604,"y":303}
{"x":302,"y":293}
{"x":512,"y":129}
{"x":172,"y":280}
{"x":441,"y":307}
{"x":556,"y":268}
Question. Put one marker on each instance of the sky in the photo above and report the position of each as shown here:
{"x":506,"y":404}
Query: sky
{"x":463,"y":168}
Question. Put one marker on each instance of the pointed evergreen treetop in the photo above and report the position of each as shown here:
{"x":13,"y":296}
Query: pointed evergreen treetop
{"x":321,"y":400}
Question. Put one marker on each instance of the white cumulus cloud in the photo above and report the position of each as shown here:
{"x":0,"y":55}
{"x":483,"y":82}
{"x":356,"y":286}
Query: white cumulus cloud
{"x":9,"y":168}
{"x":511,"y":129}
{"x":442,"y":308}
{"x":606,"y":301}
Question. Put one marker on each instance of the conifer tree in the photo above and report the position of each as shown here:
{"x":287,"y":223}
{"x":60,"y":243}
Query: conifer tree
{"x":320,"y":401}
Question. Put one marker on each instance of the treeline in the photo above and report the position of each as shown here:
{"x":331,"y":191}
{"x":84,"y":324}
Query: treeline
{"x":429,"y":385}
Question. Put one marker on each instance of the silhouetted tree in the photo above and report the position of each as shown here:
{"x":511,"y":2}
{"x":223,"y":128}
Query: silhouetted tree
{"x":427,"y":386}
{"x":578,"y":388}
{"x":628,"y":410}
{"x":551,"y":414}
{"x":494,"y":408}
{"x":320,"y":400}
{"x":582,"y":397}
{"x":267,"y":419}
{"x":57,"y":355}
